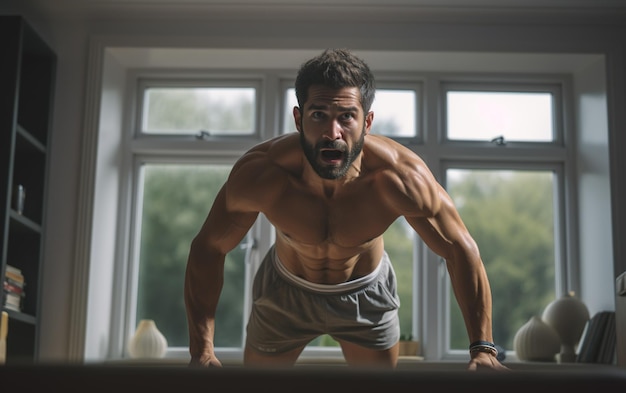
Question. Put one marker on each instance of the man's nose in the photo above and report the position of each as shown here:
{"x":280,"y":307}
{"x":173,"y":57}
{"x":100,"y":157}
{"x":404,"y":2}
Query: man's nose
{"x":334,"y":130}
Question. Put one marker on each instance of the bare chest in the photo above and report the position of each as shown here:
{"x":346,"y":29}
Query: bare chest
{"x":348,"y":220}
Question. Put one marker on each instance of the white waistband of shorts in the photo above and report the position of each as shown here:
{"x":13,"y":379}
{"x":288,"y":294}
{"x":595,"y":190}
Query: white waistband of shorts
{"x":327,"y":288}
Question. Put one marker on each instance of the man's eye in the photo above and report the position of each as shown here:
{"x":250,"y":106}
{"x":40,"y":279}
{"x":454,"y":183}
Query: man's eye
{"x":347,"y":116}
{"x":317,"y":115}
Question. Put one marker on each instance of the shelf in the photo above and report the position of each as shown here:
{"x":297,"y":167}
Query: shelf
{"x":21,"y":339}
{"x":24,"y":252}
{"x":27,"y":74}
{"x":29,"y":168}
{"x":31,"y":139}
{"x":20,"y":316}
{"x":24,"y":222}
{"x":36,"y":70}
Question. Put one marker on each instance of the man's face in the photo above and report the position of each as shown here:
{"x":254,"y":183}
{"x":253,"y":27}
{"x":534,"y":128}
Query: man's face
{"x":332,"y":129}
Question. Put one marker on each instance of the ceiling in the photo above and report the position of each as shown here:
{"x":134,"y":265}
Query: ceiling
{"x":418,"y":3}
{"x":372,"y":9}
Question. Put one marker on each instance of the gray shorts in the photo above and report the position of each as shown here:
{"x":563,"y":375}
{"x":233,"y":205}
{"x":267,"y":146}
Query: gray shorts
{"x":288,"y":312}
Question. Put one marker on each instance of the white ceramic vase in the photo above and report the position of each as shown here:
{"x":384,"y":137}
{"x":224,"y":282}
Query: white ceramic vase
{"x":147,"y":342}
{"x":568,"y":316}
{"x":536,"y":341}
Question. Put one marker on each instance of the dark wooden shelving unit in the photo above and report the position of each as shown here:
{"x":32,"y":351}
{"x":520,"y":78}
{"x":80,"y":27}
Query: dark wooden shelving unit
{"x":27,"y":74}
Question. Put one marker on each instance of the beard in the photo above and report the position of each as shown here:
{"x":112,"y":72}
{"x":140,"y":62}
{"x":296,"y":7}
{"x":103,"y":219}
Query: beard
{"x":313,"y":154}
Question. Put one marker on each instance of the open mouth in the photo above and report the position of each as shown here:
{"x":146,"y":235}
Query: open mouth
{"x":331,"y":155}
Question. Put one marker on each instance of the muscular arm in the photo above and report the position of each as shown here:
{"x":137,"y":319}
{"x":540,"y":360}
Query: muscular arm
{"x":431,"y":212}
{"x":445,"y":234}
{"x":251,"y":186}
{"x":221,"y":232}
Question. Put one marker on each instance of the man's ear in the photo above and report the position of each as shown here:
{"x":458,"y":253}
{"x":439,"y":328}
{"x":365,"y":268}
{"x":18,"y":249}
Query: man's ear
{"x":297,"y":118}
{"x":369,"y":119}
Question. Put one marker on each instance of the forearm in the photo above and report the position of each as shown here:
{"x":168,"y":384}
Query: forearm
{"x":473,"y":294}
{"x":204,"y":279}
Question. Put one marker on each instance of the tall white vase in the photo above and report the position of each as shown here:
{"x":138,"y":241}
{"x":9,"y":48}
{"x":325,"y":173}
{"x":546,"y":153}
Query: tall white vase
{"x":568,"y":316}
{"x":147,"y":342}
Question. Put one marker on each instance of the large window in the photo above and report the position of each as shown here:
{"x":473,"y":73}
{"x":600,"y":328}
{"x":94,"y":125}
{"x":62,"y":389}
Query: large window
{"x":497,"y":147}
{"x":510,"y":199}
{"x":174,"y":198}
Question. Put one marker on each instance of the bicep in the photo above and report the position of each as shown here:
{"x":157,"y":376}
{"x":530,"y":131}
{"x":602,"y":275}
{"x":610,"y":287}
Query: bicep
{"x":224,"y":226}
{"x":442,"y":228}
{"x":236,"y":206}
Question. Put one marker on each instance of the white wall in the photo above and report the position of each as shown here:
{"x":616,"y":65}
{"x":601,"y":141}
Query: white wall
{"x":594,"y":188}
{"x":68,"y":246}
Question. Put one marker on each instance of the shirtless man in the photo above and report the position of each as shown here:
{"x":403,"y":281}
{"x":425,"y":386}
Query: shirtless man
{"x":331,"y":190}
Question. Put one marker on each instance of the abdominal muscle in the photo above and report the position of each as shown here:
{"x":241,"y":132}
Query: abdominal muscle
{"x":328,"y":263}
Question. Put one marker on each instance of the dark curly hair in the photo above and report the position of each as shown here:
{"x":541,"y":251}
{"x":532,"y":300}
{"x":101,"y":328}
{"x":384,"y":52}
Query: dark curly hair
{"x":336,"y":68}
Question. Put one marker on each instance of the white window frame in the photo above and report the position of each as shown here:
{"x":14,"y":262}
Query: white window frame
{"x":442,"y":153}
{"x":430,"y":143}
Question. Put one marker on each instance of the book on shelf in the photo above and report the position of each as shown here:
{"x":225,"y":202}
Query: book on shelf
{"x":13,"y":288}
{"x":598,"y":339}
{"x":10,"y":286}
{"x":13,"y":301}
{"x":4,"y":331}
{"x":12,"y":298}
{"x":607,"y":346}
{"x":14,"y":274}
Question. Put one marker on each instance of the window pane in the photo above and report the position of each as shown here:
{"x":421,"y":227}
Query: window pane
{"x":517,"y":116}
{"x":510,"y":214}
{"x":183,"y":110}
{"x":399,"y":241}
{"x":395,"y":113}
{"x":290,"y":102}
{"x":176,"y":199}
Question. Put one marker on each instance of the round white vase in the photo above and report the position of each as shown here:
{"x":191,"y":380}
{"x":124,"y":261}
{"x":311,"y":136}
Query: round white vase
{"x":147,"y":342}
{"x":568,"y":316}
{"x":536,"y":341}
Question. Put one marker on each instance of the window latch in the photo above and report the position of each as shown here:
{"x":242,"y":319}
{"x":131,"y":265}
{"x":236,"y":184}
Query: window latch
{"x":203,"y":135}
{"x":498,"y":141}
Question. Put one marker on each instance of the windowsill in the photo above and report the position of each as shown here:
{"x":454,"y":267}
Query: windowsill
{"x":404,"y":363}
{"x":330,"y":356}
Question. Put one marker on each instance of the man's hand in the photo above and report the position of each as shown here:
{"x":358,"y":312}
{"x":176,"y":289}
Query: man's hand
{"x":205,"y":361}
{"x":482,"y":361}
{"x":206,"y":358}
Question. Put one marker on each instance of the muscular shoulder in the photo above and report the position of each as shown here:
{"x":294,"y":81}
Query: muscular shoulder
{"x":262,"y":172}
{"x":404,"y":178}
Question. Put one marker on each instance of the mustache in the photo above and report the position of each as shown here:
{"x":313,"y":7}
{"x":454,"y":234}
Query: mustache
{"x":335,"y":145}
